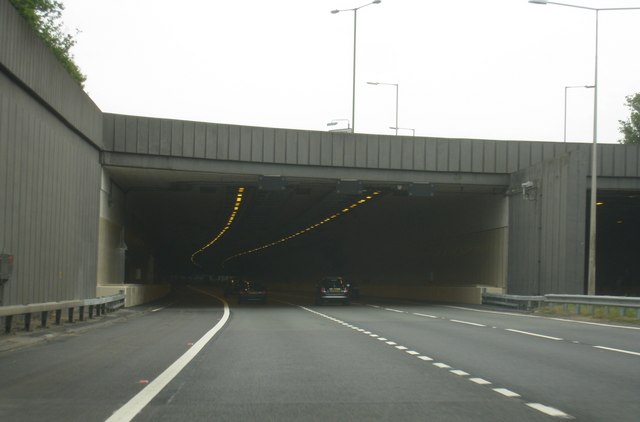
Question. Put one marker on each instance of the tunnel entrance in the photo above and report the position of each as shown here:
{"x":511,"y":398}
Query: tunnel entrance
{"x":382,"y":237}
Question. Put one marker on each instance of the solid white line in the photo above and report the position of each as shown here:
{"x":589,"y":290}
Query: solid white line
{"x":459,"y":372}
{"x":127,"y":412}
{"x":533,"y":334}
{"x":424,"y":315}
{"x":480,"y":381}
{"x":505,"y":392}
{"x":468,"y":323}
{"x":617,"y":350}
{"x":549,"y":410}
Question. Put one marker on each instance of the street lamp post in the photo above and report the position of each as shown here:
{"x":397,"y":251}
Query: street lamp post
{"x":335,"y":122}
{"x":591,"y":280}
{"x":565,"y":106}
{"x":397,"y":89}
{"x":413,"y":131}
{"x":355,"y":23}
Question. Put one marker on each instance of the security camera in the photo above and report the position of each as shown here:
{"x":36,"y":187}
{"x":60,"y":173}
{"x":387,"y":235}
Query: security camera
{"x":527,"y":185}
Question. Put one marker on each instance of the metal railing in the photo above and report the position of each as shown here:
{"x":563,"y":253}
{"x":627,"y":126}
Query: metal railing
{"x":578,"y":304}
{"x":98,"y":305}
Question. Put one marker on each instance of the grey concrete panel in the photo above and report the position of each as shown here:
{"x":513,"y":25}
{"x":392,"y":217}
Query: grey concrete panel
{"x":513,"y":153}
{"x":326,"y":149}
{"x":49,"y":182}
{"x":291,"y":153}
{"x":501,"y":157}
{"x":442,"y":155}
{"x":223,"y":142}
{"x":234,"y":143}
{"x":453,"y":162}
{"x":28,"y":59}
{"x":177,"y":133}
{"x":477,"y":156}
{"x":384,"y":152}
{"x":361,"y":151}
{"x":246,"y":143}
{"x":524,"y":155}
{"x":337,"y":149}
{"x":120,"y":133}
{"x":373,"y":151}
{"x":199,"y":140}
{"x":154,"y":136}
{"x":465,"y":155}
{"x":165,"y":137}
{"x":408,"y":153}
{"x":130,"y":134}
{"x":395,"y":152}
{"x":350,"y":151}
{"x":108,"y":132}
{"x":315,"y":148}
{"x":280,"y":146}
{"x":257,"y":143}
{"x":419,"y":158}
{"x":619,"y":161}
{"x":142,"y":144}
{"x":188,"y":139}
{"x":303,"y":147}
{"x":211,"y":141}
{"x":431,"y":155}
{"x":269,"y":152}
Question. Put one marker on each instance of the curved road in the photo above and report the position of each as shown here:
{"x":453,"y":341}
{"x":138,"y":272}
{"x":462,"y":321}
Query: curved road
{"x":290,"y":360}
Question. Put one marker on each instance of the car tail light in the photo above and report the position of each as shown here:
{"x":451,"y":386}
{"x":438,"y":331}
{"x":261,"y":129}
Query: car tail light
{"x":323,"y":290}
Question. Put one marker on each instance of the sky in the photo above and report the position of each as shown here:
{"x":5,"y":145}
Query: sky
{"x":480,"y":69}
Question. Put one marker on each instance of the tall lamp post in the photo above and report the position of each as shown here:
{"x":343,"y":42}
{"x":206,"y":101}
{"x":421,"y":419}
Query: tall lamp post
{"x":591,"y":281}
{"x":565,"y":105}
{"x":334,"y":122}
{"x":397,"y":89}
{"x":355,"y":23}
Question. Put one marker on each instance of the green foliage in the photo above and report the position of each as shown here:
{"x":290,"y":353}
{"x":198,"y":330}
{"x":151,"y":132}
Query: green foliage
{"x":631,"y":128}
{"x":44,"y":16}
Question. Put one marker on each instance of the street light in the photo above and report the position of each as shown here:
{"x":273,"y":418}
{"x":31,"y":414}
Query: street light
{"x":355,"y":23}
{"x":591,"y":281}
{"x":413,"y":131}
{"x":397,"y":89}
{"x":565,"y":105}
{"x":335,"y":122}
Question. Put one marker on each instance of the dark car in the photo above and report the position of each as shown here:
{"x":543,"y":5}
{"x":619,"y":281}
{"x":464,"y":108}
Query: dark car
{"x":332,"y":289}
{"x":250,"y":291}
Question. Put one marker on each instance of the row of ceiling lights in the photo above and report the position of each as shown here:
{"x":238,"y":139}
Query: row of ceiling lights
{"x":226,"y":227}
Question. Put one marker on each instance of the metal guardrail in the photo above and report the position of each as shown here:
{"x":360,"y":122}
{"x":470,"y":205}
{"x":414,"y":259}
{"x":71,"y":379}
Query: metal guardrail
{"x":100,"y":305}
{"x":576,"y":303}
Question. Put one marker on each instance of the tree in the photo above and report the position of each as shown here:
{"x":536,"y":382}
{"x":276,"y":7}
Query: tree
{"x":44,"y":16}
{"x":631,"y":128}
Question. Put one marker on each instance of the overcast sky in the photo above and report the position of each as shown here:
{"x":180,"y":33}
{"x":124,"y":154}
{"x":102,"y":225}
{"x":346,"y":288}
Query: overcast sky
{"x":491,"y":69}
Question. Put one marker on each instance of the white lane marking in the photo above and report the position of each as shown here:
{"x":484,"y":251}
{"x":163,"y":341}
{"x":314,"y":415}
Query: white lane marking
{"x":505,"y":392}
{"x":480,"y":381}
{"x":394,"y":310}
{"x":373,"y":335}
{"x":425,"y":358}
{"x":624,"y":327}
{"x":138,"y":402}
{"x":401,"y":348}
{"x":475,"y":324}
{"x":441,"y":365}
{"x":533,"y":334}
{"x":424,"y":315}
{"x":382,"y":339}
{"x":366,"y":332}
{"x":617,"y":350}
{"x":459,"y":372}
{"x":551,"y":411}
{"x":391,"y":343}
{"x":413,"y":352}
{"x":160,"y":309}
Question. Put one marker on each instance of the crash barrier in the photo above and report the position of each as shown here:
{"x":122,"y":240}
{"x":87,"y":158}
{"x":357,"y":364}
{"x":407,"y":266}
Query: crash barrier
{"x":599,"y":306}
{"x":99,"y":305}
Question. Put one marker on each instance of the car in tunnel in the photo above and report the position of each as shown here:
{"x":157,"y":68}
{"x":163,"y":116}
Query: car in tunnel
{"x":250,"y":291}
{"x":332,"y":289}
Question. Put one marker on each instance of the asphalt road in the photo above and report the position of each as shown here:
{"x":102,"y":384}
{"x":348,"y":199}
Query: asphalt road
{"x":290,"y":360}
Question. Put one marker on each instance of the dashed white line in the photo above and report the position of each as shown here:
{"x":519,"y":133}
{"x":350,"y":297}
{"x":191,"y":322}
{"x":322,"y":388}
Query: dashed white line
{"x":533,"y":334}
{"x":394,"y":310}
{"x":424,"y":315}
{"x":425,"y":358}
{"x":413,"y":352}
{"x":373,"y":335}
{"x":441,"y":365}
{"x":611,"y":349}
{"x":391,"y":343}
{"x":459,"y":372}
{"x":480,"y":381}
{"x":475,"y":324}
{"x":382,"y":339}
{"x":551,"y":411}
{"x":401,"y":348}
{"x":505,"y":392}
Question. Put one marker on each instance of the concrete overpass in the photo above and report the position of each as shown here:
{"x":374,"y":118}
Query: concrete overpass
{"x":92,"y":202}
